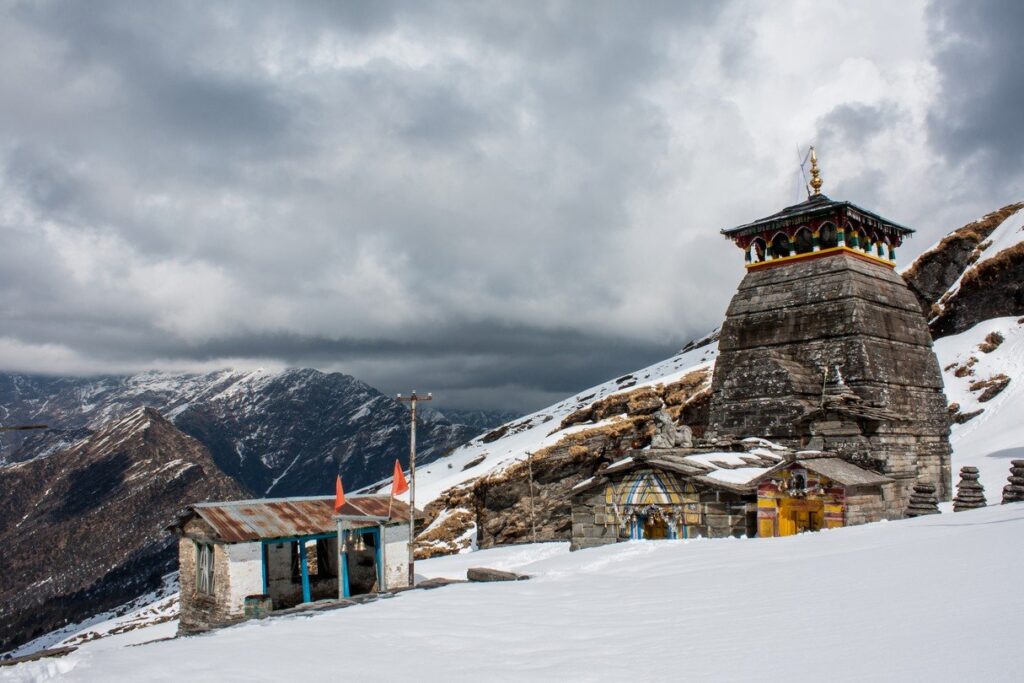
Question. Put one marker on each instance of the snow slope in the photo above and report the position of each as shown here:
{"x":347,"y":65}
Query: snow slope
{"x":990,"y":440}
{"x":140,"y":614}
{"x":537,"y":430}
{"x":934,"y":598}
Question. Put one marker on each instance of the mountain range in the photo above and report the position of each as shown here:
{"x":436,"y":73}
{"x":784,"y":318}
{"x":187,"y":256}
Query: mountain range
{"x":88,"y":500}
{"x":276,"y":433}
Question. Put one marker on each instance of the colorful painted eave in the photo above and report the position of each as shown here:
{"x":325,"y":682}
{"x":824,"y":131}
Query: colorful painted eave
{"x":831,"y":251}
{"x":815,"y":207}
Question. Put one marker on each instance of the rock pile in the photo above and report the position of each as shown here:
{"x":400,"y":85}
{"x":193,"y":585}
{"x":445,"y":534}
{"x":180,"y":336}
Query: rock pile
{"x":923,"y":501}
{"x":1014,"y":491}
{"x":970,"y":494}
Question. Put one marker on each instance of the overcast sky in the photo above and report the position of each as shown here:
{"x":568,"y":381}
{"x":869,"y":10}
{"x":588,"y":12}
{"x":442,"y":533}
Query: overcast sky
{"x":503,"y":202}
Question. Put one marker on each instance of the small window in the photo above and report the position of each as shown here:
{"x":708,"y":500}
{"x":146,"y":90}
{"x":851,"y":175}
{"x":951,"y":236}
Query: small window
{"x":204,"y":568}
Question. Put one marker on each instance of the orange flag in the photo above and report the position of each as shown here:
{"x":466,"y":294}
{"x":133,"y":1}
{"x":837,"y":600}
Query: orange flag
{"x":399,"y":485}
{"x":339,"y":496}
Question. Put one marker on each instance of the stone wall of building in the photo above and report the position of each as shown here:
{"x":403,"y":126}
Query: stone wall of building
{"x":200,"y":611}
{"x":721,"y":513}
{"x":789,"y":325}
{"x":865,"y":505}
{"x":593,"y":523}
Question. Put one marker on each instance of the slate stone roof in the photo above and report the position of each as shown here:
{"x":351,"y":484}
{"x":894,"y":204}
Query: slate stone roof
{"x":836,"y":469}
{"x":703,"y":466}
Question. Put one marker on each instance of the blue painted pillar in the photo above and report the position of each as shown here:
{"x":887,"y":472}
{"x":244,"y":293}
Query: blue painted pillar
{"x":343,"y":564}
{"x":306,"y":596}
{"x":263,"y":558}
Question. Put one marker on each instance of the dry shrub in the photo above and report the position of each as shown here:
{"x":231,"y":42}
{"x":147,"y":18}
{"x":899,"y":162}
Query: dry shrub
{"x":577,"y":451}
{"x":991,"y":343}
{"x":967,"y":368}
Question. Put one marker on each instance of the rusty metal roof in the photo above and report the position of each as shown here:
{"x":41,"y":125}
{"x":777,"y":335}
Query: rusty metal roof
{"x":252,"y":520}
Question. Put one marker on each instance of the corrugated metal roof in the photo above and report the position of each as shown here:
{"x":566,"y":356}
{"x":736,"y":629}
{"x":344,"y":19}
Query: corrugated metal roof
{"x":251,"y":520}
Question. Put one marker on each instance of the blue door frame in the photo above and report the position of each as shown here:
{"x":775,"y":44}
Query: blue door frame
{"x":303,"y":561}
{"x":378,"y":552}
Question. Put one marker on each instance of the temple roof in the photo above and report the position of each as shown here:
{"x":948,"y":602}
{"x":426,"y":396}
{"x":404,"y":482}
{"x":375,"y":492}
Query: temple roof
{"x":838,"y":470}
{"x":815,"y":206}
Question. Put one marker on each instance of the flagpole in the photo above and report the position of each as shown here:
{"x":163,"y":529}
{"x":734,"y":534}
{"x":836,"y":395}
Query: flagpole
{"x":412,"y":399}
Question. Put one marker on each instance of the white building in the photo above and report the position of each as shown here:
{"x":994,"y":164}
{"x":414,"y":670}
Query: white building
{"x":279,"y":553}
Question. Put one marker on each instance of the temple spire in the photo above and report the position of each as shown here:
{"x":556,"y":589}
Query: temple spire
{"x":815,"y":174}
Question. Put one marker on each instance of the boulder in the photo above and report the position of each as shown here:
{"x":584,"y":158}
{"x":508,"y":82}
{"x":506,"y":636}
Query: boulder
{"x":483,"y":574}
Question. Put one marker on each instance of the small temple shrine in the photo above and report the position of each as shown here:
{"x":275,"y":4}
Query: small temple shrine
{"x":825,"y":348}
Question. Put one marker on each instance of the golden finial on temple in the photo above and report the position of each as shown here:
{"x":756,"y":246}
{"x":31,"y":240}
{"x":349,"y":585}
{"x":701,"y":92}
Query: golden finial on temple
{"x":815,"y":175}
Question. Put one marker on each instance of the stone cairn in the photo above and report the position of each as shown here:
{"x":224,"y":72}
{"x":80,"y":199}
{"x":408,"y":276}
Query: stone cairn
{"x":923,"y":501}
{"x":970,"y":494}
{"x":1014,"y":491}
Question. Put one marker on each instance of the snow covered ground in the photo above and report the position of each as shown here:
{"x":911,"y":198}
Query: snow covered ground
{"x":935,"y":598}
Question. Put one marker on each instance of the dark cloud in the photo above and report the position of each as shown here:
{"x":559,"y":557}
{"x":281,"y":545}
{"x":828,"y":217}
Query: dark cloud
{"x":981,"y":64}
{"x":500,"y":202}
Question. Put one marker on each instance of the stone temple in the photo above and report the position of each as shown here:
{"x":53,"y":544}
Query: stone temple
{"x":825,"y":348}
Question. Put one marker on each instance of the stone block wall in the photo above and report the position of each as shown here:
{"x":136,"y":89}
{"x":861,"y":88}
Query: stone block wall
{"x":199,"y":611}
{"x":722,"y":514}
{"x":593,"y":522}
{"x":872,"y":504}
{"x":787,"y":325}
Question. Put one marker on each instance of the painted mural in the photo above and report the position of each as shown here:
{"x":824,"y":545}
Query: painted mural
{"x":654,"y":505}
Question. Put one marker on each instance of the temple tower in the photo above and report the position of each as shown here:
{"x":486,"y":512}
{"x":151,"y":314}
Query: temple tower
{"x":825,"y":348}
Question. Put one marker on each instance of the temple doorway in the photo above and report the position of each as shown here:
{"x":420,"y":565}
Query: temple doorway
{"x":655,"y":527}
{"x":797,"y":515}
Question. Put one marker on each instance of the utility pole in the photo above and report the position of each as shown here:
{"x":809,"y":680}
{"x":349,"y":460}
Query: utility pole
{"x":533,"y":512}
{"x":412,"y":400}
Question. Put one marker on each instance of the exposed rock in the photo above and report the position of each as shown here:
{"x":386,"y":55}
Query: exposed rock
{"x":956,"y":416}
{"x":935,"y":271}
{"x":993,"y":288}
{"x":991,"y":387}
{"x":483,"y":574}
{"x":970,"y":494}
{"x":474,"y":462}
{"x":1013,"y":492}
{"x":923,"y":501}
{"x":437,"y":582}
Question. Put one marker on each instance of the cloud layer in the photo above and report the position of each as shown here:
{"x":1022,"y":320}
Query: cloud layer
{"x":502,"y":203}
